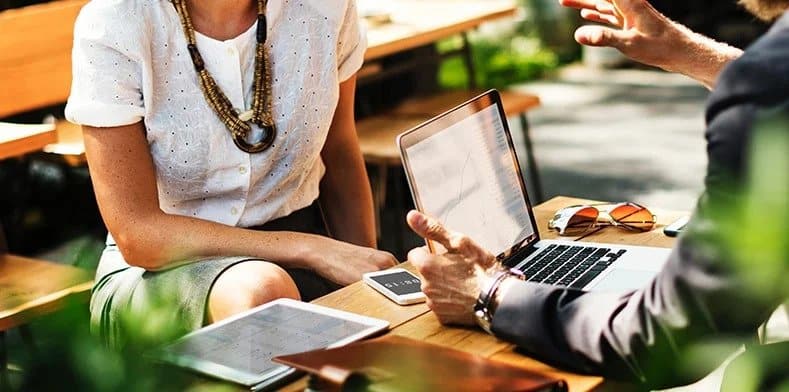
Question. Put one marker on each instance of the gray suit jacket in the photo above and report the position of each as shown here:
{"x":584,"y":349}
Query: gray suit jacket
{"x":646,"y":335}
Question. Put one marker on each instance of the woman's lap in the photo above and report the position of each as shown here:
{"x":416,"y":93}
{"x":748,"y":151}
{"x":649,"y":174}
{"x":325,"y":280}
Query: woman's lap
{"x":121,"y":290}
{"x":184,"y":290}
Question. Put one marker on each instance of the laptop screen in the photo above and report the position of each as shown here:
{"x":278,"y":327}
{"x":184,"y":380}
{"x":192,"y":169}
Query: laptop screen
{"x":463,"y":171}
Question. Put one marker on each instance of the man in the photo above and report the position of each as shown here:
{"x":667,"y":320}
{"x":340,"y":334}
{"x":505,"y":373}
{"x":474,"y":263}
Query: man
{"x":701,"y":294}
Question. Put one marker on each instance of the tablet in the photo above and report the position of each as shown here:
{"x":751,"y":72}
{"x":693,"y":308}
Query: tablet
{"x":240,"y":348}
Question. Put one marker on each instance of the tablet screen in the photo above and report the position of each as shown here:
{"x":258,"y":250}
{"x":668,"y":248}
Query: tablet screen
{"x":241,"y":348}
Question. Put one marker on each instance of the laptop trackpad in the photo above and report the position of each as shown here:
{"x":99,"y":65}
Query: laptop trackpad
{"x":620,"y":279}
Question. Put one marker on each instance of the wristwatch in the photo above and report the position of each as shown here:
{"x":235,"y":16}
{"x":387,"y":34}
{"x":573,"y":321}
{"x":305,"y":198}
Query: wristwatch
{"x":483,"y":309}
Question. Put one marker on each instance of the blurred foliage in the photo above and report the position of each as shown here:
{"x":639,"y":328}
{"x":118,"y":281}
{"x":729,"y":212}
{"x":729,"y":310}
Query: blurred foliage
{"x":498,"y":63}
{"x":525,"y":50}
{"x":69,"y":355}
{"x":752,"y":233}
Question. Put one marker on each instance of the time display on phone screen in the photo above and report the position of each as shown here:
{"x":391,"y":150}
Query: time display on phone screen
{"x":400,"y":283}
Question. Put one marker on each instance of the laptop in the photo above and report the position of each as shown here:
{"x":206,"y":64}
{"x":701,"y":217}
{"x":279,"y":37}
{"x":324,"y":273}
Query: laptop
{"x":463,"y":170}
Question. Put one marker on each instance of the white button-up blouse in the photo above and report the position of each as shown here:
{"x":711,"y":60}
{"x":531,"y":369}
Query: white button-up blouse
{"x":130,"y":64}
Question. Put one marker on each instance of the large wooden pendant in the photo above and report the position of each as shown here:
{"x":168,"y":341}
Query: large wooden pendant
{"x":266,"y":140}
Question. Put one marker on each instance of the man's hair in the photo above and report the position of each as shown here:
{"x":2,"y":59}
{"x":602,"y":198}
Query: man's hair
{"x":767,"y":10}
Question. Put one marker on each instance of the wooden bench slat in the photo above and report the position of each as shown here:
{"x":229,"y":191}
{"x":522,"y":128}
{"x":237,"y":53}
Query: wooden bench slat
{"x":377,"y":133}
{"x":377,"y":136}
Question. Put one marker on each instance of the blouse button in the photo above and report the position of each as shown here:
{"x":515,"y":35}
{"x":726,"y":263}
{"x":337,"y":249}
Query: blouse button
{"x":234,"y":211}
{"x":242,"y":170}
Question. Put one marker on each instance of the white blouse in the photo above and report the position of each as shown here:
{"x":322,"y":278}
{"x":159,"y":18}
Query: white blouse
{"x":130,"y":64}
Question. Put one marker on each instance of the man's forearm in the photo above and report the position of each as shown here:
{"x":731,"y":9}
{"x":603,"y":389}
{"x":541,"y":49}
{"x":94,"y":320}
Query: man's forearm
{"x":701,"y":58}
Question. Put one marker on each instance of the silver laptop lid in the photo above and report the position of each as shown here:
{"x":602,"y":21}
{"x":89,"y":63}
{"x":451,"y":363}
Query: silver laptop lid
{"x":463,"y":170}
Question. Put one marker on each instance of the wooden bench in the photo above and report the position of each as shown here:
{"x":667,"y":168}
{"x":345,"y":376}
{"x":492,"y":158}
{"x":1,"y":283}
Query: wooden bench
{"x":35,"y":68}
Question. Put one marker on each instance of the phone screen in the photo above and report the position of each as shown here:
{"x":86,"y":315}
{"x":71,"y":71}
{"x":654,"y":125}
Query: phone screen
{"x":400,"y":283}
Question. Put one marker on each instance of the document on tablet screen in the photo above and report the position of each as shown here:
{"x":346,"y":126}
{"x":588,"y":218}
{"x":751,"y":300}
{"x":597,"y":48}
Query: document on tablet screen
{"x":467,"y":178}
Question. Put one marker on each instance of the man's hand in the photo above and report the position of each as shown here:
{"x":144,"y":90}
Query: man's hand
{"x":451,"y":281}
{"x":645,"y":35}
{"x":639,"y":31}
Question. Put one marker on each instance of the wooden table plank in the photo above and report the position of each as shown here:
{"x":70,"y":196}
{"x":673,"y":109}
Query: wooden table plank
{"x":427,"y":328}
{"x":419,"y":22}
{"x":612,"y":235}
{"x":362,"y":299}
{"x":19,"y":139}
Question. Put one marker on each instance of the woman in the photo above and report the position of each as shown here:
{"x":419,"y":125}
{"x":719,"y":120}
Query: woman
{"x":205,"y":118}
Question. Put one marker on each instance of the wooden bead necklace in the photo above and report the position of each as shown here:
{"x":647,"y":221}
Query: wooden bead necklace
{"x":239,"y":124}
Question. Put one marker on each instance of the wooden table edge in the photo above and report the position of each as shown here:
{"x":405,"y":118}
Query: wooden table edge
{"x":27,"y":144}
{"x":21,"y":314}
{"x":423,"y":38}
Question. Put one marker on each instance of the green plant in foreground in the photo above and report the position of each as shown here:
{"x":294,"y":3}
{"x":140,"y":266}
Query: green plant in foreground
{"x":752,"y":234}
{"x":69,"y":355}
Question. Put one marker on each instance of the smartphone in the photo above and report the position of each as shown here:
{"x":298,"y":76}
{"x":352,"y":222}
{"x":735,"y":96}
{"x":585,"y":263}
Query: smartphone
{"x":673,"y":229}
{"x":397,"y":284}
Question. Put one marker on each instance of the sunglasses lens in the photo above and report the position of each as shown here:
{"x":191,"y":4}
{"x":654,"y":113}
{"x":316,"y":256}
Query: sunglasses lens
{"x":633,"y":216}
{"x":581,"y":221}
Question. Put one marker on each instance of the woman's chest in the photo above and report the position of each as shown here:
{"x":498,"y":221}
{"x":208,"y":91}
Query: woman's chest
{"x":189,"y":142}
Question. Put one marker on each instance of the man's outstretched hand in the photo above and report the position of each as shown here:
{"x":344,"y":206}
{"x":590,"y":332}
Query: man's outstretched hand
{"x":636,"y":28}
{"x":640,"y":32}
{"x":452,"y":280}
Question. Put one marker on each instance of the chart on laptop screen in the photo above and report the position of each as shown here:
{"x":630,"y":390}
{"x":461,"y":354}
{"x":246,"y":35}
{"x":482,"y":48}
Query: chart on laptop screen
{"x":466,"y":178}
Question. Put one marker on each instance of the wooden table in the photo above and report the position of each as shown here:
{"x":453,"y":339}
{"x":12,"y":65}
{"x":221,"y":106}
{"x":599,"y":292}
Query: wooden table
{"x":17,"y":139}
{"x":417,"y":322}
{"x":30,"y":288}
{"x":420,"y":22}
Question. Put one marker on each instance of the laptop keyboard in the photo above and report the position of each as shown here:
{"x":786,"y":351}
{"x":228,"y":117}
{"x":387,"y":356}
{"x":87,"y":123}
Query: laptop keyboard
{"x":572,"y":266}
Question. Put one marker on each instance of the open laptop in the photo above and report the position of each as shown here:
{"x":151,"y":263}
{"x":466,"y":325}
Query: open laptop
{"x":463,"y":170}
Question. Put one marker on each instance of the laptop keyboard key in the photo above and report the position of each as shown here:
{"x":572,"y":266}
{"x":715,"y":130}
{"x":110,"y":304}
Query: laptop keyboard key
{"x":586,"y":278}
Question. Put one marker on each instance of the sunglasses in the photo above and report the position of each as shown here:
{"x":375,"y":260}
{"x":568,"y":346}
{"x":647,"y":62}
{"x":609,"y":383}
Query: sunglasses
{"x":576,"y":220}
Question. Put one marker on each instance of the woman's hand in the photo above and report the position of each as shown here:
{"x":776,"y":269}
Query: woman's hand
{"x":344,"y":263}
{"x":645,"y":35}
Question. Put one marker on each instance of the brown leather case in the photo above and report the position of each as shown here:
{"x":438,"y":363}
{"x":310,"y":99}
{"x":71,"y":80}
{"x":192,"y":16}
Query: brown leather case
{"x":396,"y":363}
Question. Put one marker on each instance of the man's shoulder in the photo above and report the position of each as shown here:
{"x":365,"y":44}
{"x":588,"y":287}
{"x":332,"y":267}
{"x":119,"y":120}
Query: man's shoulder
{"x":763,"y":67}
